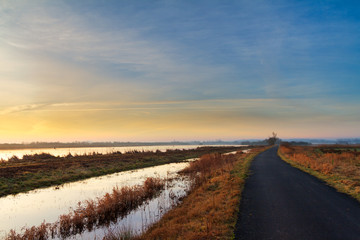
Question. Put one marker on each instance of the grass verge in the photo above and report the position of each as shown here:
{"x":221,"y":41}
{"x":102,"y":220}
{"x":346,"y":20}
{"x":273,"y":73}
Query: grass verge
{"x":339,"y":168}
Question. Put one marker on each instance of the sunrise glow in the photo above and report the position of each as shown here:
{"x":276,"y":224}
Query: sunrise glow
{"x":175,"y":70}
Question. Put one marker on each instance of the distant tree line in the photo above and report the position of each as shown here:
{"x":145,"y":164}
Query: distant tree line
{"x":12,"y":146}
{"x":295,"y":143}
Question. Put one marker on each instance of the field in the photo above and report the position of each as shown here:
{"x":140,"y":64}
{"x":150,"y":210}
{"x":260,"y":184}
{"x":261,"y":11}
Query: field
{"x":43,"y":170}
{"x":337,"y":165}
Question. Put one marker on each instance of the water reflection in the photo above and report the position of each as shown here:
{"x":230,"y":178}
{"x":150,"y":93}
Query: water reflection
{"x":32,"y":208}
{"x":137,"y":221}
{"x":6,"y":154}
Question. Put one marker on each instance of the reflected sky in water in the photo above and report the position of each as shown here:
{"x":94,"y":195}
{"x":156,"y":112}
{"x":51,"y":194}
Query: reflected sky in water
{"x":6,"y":154}
{"x":32,"y":208}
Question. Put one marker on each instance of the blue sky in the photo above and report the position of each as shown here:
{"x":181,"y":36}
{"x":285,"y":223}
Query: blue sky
{"x":178,"y":70}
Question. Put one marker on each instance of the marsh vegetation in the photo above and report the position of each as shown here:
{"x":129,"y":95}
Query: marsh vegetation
{"x":43,"y":170}
{"x":215,"y":180}
{"x":210,"y":209}
{"x":94,"y":213}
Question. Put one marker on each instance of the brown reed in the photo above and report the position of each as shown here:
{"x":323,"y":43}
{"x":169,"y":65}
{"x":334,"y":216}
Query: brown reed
{"x":94,"y":213}
{"x":209,"y":211}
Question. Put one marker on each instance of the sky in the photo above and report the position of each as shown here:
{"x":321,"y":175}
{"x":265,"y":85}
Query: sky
{"x":168,"y":70}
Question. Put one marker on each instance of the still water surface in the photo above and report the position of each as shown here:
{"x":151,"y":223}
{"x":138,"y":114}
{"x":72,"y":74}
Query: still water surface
{"x":6,"y":154}
{"x":32,"y":208}
{"x":140,"y":219}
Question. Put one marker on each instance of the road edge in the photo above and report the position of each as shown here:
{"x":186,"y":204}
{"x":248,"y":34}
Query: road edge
{"x":244,"y":173}
{"x":328,"y":180}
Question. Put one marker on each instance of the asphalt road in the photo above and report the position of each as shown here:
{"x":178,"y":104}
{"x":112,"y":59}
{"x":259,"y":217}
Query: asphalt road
{"x":282,"y":202}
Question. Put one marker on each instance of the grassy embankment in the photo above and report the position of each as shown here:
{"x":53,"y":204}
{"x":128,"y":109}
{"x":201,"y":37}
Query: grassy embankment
{"x":44,"y":170}
{"x":338,"y":166}
{"x":210,"y":210}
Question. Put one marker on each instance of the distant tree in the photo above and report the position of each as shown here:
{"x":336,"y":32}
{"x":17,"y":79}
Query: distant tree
{"x":273,"y":139}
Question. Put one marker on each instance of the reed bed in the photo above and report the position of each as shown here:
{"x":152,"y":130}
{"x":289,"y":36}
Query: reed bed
{"x":201,"y":170}
{"x":94,"y":213}
{"x":338,"y":165}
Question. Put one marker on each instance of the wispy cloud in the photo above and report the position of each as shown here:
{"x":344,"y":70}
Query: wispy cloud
{"x":56,"y":40}
{"x":22,"y":108}
{"x":175,"y":64}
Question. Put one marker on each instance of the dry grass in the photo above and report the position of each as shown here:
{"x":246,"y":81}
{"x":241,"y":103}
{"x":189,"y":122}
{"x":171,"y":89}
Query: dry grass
{"x":210,"y":210}
{"x":101,"y":212}
{"x":339,"y":166}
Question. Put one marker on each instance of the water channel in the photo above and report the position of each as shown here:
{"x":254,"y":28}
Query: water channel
{"x":32,"y":208}
{"x":47,"y":204}
{"x":6,"y":154}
